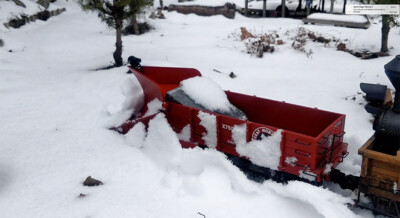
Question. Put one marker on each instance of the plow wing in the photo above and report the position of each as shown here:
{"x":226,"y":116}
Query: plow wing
{"x":155,"y":83}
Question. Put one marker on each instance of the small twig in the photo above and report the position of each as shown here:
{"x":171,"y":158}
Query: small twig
{"x":231,"y":75}
{"x":201,"y":214}
{"x":215,"y":70}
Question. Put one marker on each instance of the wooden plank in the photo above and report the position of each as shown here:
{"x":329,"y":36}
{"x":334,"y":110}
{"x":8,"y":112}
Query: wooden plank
{"x":364,"y":167}
{"x":385,"y":166}
{"x":381,"y":157}
{"x":337,"y":23}
{"x":383,"y":193}
{"x":371,"y":181}
{"x":367,"y":145}
{"x":367,"y":152}
{"x":386,"y":175}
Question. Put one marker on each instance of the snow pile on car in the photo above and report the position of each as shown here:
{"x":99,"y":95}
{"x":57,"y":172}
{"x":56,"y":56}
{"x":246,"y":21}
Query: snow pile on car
{"x":265,"y":152}
{"x":209,"y":122}
{"x":203,"y":93}
{"x":207,"y":93}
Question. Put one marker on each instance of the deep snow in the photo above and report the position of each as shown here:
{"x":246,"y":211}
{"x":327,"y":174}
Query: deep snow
{"x":257,"y":150}
{"x":56,"y":111}
{"x":200,"y":89}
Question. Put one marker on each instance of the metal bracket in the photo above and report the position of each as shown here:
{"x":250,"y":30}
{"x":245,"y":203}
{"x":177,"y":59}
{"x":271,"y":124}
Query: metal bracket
{"x":302,"y":143}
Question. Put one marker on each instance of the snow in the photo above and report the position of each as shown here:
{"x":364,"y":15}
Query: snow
{"x":265,"y":152}
{"x":339,"y":17}
{"x":319,"y":198}
{"x":213,"y":3}
{"x":132,"y":104}
{"x":9,"y":10}
{"x":161,"y":142}
{"x":209,"y":122}
{"x":153,"y":107}
{"x":136,"y":136}
{"x":305,"y":174}
{"x":328,"y":168}
{"x":291,"y":161}
{"x":56,"y":111}
{"x":134,"y":96}
{"x":185,"y":134}
{"x":207,"y":93}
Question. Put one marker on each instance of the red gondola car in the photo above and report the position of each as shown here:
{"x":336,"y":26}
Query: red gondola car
{"x":311,"y":137}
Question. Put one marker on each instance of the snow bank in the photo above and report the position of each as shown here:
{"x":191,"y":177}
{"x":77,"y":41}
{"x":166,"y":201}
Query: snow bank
{"x":161,"y":143}
{"x":338,"y":17}
{"x":132,"y":104}
{"x":265,"y":152}
{"x":327,"y":203}
{"x":184,"y":135}
{"x":209,"y":122}
{"x":153,"y":107}
{"x":207,"y":93}
{"x":136,"y":136}
{"x":134,"y":96}
{"x":9,"y":10}
{"x":71,"y":136}
{"x":202,"y":2}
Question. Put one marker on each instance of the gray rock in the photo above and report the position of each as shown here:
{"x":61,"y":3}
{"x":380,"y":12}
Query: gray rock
{"x":1,"y":43}
{"x":19,"y":3}
{"x":92,"y":182}
{"x":44,"y":3}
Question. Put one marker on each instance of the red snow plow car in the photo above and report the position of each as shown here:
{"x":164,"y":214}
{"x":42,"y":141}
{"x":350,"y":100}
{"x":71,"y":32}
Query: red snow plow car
{"x":308,"y":142}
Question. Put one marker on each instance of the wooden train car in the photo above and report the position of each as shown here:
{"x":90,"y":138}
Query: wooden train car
{"x":379,"y":179}
{"x":311,"y":142}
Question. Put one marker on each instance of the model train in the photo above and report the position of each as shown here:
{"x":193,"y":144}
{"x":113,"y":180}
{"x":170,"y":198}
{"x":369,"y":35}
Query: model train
{"x":279,"y":139}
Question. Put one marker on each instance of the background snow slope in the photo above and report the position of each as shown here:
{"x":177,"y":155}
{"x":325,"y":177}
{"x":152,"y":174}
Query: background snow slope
{"x":55,"y":114}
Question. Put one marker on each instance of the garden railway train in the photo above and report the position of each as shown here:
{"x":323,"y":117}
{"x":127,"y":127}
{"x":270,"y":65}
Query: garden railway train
{"x":282,"y":141}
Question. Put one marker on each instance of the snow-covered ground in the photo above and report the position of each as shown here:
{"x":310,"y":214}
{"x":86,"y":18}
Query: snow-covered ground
{"x":56,"y":110}
{"x":10,"y":10}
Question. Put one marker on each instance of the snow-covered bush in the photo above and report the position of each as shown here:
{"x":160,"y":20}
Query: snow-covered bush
{"x":258,"y":44}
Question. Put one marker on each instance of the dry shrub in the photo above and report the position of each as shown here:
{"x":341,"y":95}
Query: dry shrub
{"x":260,"y":44}
{"x":245,"y":34}
{"x":300,"y":40}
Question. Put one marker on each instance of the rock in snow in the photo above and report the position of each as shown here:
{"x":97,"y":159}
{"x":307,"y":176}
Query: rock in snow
{"x":89,"y":181}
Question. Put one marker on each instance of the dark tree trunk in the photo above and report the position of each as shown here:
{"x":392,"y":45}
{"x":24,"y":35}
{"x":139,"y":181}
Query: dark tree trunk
{"x":298,"y":6}
{"x":385,"y":33}
{"x":118,"y":44}
{"x":135,"y":25}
